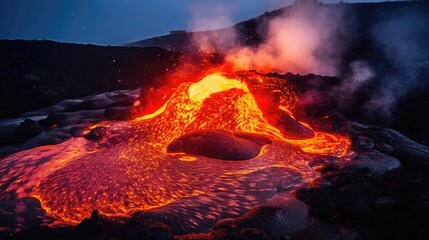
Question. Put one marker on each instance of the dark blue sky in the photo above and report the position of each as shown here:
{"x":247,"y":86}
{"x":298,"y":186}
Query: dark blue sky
{"x":117,"y":22}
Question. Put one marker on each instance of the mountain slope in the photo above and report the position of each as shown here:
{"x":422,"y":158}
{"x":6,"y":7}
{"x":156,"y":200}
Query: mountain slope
{"x":253,"y":31}
{"x":35,"y":74}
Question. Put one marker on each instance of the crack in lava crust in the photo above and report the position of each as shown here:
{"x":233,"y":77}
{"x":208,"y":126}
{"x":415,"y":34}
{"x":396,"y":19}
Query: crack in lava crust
{"x":129,"y":169}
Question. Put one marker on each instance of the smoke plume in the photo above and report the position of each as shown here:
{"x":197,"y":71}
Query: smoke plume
{"x":213,"y":16}
{"x":302,"y":40}
{"x":381,"y":57}
{"x":403,"y":40}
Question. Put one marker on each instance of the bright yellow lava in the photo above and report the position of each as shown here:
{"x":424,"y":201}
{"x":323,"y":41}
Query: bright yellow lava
{"x":129,"y":169}
{"x":211,"y":84}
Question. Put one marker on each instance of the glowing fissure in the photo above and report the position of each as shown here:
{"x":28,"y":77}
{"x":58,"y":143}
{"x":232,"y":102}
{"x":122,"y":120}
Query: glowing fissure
{"x":130,"y":170}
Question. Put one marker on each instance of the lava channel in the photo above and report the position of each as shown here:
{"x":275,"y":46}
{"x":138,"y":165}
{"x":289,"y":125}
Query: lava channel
{"x":130,"y":169}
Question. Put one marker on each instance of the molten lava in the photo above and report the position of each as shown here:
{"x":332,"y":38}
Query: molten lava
{"x":130,"y":170}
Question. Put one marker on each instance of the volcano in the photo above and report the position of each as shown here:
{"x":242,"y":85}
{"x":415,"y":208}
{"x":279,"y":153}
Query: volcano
{"x":138,"y":165}
{"x":215,"y":139}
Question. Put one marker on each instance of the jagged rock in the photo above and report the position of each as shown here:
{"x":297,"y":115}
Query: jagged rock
{"x":292,"y":128}
{"x":282,"y":216}
{"x":318,"y":231}
{"x":351,"y":202}
{"x":416,"y":155}
{"x":6,"y":150}
{"x":223,"y":233}
{"x":95,"y":134}
{"x":51,"y":120}
{"x":411,"y":182}
{"x":354,"y":193}
{"x":362,"y":143}
{"x":219,"y":144}
{"x":264,"y":220}
{"x":396,"y":144}
{"x":118,"y":113}
{"x":6,"y":134}
{"x":145,"y":229}
{"x":122,"y":100}
{"x":378,"y":163}
{"x":26,"y":130}
{"x":96,"y":227}
{"x":317,"y":197}
{"x":321,"y":162}
{"x":194,"y":236}
{"x":83,"y":116}
{"x":400,"y":146}
{"x":91,"y":103}
{"x":320,"y":204}
{"x":77,"y":130}
{"x":256,"y":234}
{"x":320,"y":182}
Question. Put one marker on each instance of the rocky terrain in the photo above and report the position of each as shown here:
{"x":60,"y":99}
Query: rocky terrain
{"x":382,"y":193}
{"x":53,"y":92}
{"x":36,"y":74}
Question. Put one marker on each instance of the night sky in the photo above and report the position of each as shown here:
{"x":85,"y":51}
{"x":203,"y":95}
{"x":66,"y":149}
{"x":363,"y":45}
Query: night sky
{"x":115,"y":22}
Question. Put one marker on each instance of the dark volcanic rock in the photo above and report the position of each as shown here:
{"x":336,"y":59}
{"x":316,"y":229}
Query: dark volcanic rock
{"x":145,"y":229}
{"x":378,"y":163}
{"x":416,"y":154}
{"x":61,"y":121}
{"x":323,"y":163}
{"x":282,"y":216}
{"x":193,"y":236}
{"x":219,"y":144}
{"x":224,"y":233}
{"x":27,"y":130}
{"x":318,"y":231}
{"x":318,"y":198}
{"x":255,"y":234}
{"x":320,"y":204}
{"x":95,"y":134}
{"x":362,"y":143}
{"x":96,"y":227}
{"x":395,"y":144}
{"x":292,"y":128}
{"x":263,"y":221}
{"x":118,"y":113}
{"x":36,"y":74}
{"x":43,"y":232}
{"x":51,"y":120}
{"x":411,"y":183}
{"x":352,"y":203}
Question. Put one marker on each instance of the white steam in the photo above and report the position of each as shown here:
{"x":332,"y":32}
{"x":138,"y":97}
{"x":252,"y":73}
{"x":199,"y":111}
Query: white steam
{"x":301,"y":41}
{"x":402,"y":39}
{"x":212,"y":16}
{"x":314,"y":38}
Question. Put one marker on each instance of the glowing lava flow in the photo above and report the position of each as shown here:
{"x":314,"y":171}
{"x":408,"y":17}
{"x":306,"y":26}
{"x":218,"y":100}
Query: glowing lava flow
{"x":129,"y":169}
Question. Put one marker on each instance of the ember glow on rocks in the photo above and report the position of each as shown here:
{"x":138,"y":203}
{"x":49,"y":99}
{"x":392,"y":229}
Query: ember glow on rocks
{"x":130,"y":169}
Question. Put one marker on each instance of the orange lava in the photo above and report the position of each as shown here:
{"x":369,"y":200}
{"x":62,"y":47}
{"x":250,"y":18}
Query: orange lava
{"x":129,"y":169}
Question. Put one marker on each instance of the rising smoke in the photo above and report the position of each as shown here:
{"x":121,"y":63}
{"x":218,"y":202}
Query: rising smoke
{"x":300,"y":41}
{"x":323,"y":39}
{"x":212,"y":16}
{"x":403,"y":39}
